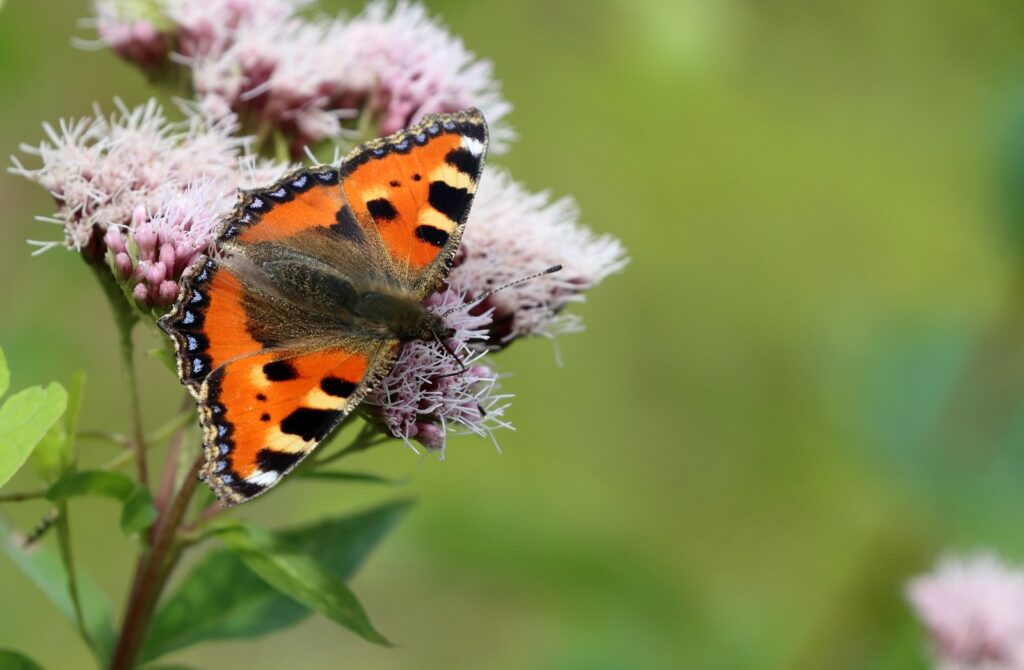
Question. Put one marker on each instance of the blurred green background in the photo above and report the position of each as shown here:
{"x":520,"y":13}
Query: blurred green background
{"x":807,"y":384}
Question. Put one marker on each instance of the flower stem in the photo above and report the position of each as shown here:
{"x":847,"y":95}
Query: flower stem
{"x":152,"y":569}
{"x":22,"y":496}
{"x":64,"y":544}
{"x":125,"y":317}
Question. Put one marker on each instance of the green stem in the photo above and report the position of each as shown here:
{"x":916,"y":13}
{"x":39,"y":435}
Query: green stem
{"x":22,"y":496}
{"x":112,"y":439}
{"x":131,"y":381}
{"x":172,"y":427}
{"x":64,"y":544}
{"x":125,"y":318}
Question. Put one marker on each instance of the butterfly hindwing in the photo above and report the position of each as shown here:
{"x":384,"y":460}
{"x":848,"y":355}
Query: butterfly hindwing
{"x":262,"y":414}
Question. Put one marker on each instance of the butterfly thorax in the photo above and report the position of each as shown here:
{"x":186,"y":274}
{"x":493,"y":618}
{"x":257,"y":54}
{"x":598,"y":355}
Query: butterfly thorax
{"x":399,"y":314}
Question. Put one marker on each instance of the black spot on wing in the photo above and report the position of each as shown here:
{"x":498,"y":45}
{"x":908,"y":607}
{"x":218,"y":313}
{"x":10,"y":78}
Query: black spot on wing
{"x":339,"y":388}
{"x":280,"y":371}
{"x":381,"y":209}
{"x":310,"y":424}
{"x":464,"y":161}
{"x":245,"y":488}
{"x":450,"y":201}
{"x":278,"y":461}
{"x":347,"y":226}
{"x":432,"y":235}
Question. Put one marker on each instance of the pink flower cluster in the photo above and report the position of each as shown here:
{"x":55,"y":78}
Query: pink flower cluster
{"x":146,"y":195}
{"x":513,"y":233}
{"x":389,"y":65}
{"x":143,"y":193}
{"x":428,"y":392}
{"x":973,"y":609}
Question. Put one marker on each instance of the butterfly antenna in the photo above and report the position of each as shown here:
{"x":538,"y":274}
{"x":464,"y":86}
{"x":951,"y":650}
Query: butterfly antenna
{"x":451,"y":352}
{"x":487,"y":294}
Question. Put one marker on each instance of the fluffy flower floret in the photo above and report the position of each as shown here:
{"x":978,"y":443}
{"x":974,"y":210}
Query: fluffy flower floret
{"x":143,"y":193}
{"x":973,"y":609}
{"x":428,"y":393}
{"x":512,"y":234}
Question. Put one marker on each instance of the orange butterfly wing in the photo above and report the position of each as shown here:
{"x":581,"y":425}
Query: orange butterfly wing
{"x":273,"y":371}
{"x":263,"y":414}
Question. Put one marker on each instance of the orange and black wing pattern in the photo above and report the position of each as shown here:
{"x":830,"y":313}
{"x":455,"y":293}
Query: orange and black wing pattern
{"x":401,"y":201}
{"x":263,"y":414}
{"x":262,"y":336}
{"x":416,"y":187}
{"x":267,"y":396}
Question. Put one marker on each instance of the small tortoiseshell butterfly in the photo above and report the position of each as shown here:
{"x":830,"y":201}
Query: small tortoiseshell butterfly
{"x":322,"y":279}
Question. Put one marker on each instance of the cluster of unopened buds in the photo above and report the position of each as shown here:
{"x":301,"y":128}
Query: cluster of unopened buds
{"x":144,"y":195}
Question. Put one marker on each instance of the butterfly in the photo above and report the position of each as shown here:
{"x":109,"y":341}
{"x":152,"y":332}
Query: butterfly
{"x":319,"y":281}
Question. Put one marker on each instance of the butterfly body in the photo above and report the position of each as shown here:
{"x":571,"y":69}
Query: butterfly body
{"x":320,"y":279}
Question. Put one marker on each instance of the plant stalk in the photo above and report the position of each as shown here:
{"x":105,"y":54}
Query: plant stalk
{"x":152,"y":569}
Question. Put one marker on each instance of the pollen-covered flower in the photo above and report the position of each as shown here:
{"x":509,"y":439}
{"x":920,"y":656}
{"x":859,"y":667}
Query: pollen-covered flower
{"x":141,"y":192}
{"x":512,"y":234}
{"x":973,"y":608}
{"x":431,"y":391}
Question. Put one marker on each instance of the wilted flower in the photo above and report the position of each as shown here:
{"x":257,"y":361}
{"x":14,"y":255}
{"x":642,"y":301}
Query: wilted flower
{"x":973,"y":608}
{"x":142,"y":192}
{"x":513,"y":233}
{"x":430,"y":389}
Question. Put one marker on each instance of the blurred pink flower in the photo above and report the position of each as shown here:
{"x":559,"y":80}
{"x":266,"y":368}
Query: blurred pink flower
{"x":427,"y":391}
{"x":301,"y":77}
{"x":130,"y":30}
{"x":513,"y":233}
{"x":141,"y":192}
{"x":973,"y":608}
{"x":410,"y":65}
{"x":209,"y":26}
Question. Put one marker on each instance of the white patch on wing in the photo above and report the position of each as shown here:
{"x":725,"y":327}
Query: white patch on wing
{"x":475,"y":147}
{"x":261,"y":478}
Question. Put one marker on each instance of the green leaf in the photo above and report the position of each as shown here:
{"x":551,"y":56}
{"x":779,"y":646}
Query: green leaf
{"x":25,"y":418}
{"x":12,"y":660}
{"x":53,"y":453}
{"x":47,"y":572}
{"x":5,"y":374}
{"x":222,"y":599}
{"x":299,"y":576}
{"x":138,"y":511}
{"x":166,"y":356}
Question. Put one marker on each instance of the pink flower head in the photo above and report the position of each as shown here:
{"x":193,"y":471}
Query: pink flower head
{"x":428,"y":391}
{"x":144,"y":193}
{"x":131,"y":30}
{"x":303,"y":77}
{"x":973,"y":608}
{"x":209,"y":26}
{"x":512,"y":234}
{"x":410,"y":65}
